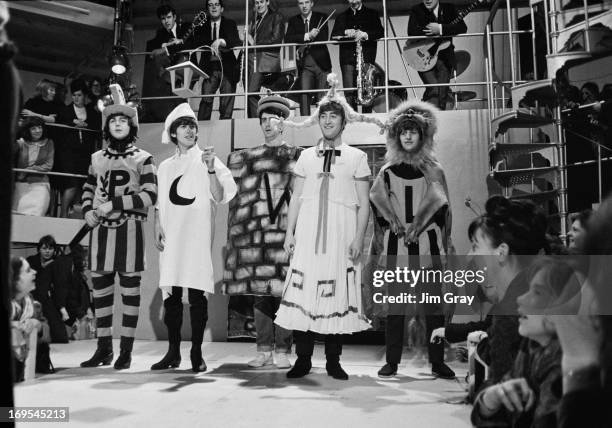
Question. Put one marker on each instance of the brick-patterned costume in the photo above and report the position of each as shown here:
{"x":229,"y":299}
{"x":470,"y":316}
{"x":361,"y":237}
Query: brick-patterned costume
{"x":256,"y":262}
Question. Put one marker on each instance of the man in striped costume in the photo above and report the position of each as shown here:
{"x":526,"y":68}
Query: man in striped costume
{"x":120,"y":187}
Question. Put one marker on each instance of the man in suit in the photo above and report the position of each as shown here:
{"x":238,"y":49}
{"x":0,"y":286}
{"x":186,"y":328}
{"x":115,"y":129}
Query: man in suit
{"x":156,"y":82}
{"x":361,"y":24}
{"x":432,"y":18}
{"x":221,"y":34}
{"x":314,"y":62}
{"x":267,"y":28}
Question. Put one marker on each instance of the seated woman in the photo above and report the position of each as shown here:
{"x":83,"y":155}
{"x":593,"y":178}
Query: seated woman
{"x":507,"y":230}
{"x":530,"y":393}
{"x":43,"y":105}
{"x":22,"y":313}
{"x":34,"y":151}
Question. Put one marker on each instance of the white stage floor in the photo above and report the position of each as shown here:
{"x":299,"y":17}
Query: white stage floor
{"x":230,"y":394}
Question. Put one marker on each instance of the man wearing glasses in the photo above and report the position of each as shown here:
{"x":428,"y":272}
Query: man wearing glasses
{"x":221,"y":34}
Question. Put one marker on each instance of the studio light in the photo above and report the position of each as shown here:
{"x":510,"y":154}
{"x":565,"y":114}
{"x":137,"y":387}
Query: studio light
{"x":118,"y":60}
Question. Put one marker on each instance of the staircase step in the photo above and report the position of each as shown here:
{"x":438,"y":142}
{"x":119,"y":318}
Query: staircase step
{"x":498,"y":151}
{"x":542,"y":91}
{"x":521,"y":118}
{"x":511,"y":177}
{"x":556,"y":61}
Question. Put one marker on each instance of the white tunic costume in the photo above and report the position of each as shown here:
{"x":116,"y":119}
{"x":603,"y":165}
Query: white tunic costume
{"x":186,"y":213}
{"x":323,"y":288}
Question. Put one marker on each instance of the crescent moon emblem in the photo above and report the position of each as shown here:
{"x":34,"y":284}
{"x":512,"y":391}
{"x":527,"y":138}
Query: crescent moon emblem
{"x":177,"y":199}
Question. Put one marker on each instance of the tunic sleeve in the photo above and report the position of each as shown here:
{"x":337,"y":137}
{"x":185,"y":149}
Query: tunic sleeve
{"x":298,"y":168}
{"x":363,"y":170}
{"x":224,"y":175}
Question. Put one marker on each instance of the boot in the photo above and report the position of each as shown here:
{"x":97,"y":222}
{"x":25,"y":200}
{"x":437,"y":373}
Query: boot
{"x":301,"y":368}
{"x":334,"y":369}
{"x":172,"y":359}
{"x":124,"y":360}
{"x":197,"y":362}
{"x":102,"y":356}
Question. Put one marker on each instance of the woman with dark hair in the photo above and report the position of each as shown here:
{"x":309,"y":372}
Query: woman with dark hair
{"x":42,"y":262}
{"x":44,"y":104}
{"x":34,"y":151}
{"x":586,"y":338}
{"x":73,"y":151}
{"x":589,"y":93}
{"x":507,"y":230}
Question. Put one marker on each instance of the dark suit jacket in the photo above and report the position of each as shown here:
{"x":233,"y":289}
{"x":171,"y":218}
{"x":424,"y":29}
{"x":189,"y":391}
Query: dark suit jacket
{"x":420,"y":16}
{"x":164,"y":36}
{"x":73,"y":152}
{"x":295,"y":34}
{"x":366,"y":20}
{"x":228,"y":31}
{"x":269,"y":32}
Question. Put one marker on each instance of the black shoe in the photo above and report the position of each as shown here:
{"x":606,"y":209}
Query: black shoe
{"x":124,"y":361}
{"x":102,"y":356}
{"x":300,"y":369}
{"x":334,"y":369}
{"x":388,"y":370}
{"x":172,"y":359}
{"x":442,"y":370}
{"x":197,"y":362}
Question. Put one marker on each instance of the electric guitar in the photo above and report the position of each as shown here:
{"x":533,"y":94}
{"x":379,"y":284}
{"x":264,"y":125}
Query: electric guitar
{"x":422,"y":54}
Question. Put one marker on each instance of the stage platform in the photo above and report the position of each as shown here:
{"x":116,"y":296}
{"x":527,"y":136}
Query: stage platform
{"x":230,"y":394}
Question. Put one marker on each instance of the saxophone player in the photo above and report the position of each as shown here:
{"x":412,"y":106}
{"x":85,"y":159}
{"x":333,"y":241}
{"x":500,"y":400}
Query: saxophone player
{"x":358,"y":23}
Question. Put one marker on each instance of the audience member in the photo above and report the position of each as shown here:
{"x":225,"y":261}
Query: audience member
{"x":530,"y":393}
{"x":34,"y":151}
{"x":578,"y":228}
{"x":42,"y":262}
{"x":96,"y":91}
{"x":507,"y":230}
{"x":44,"y":104}
{"x":73,"y":151}
{"x":23,"y":322}
{"x":589,"y":93}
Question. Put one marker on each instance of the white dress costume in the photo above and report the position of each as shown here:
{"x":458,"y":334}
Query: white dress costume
{"x":186,"y":213}
{"x":322,"y":291}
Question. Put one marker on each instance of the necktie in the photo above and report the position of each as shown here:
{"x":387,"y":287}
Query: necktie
{"x":307,"y":25}
{"x":214,"y":31}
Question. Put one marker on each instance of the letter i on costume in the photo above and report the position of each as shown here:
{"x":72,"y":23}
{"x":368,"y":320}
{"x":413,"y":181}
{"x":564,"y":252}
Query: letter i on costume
{"x":191,"y":183}
{"x":120,"y":188}
{"x":411,"y":194}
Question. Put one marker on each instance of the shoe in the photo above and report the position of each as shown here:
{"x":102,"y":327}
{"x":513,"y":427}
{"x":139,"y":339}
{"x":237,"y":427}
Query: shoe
{"x":197,"y":362}
{"x":262,"y":359}
{"x":124,"y":361}
{"x":335,"y":370}
{"x":442,"y":370}
{"x":388,"y":370}
{"x":102,"y":356}
{"x":281,"y":360}
{"x":301,"y":368}
{"x":171,"y":360}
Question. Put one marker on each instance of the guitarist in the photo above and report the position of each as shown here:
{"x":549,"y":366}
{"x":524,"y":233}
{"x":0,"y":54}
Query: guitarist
{"x":156,"y":82}
{"x":221,"y":34}
{"x":314,"y":62}
{"x":432,"y":18}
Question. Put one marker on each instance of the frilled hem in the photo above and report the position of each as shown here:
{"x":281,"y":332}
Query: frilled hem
{"x":292,"y":316}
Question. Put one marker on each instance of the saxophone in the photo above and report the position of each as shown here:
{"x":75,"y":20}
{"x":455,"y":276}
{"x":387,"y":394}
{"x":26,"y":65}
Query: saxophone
{"x":366,"y":75}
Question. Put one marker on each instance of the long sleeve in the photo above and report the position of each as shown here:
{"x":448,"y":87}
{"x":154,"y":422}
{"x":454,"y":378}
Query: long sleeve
{"x":339,"y":26}
{"x":295,"y":31}
{"x":453,"y":29}
{"x":147,"y":196}
{"x":226,"y":179}
{"x":45,"y":163}
{"x":232,"y":38}
{"x":61,"y":272}
{"x":275,"y":33}
{"x":459,"y":332}
{"x":374,"y":28}
{"x":89,"y":190}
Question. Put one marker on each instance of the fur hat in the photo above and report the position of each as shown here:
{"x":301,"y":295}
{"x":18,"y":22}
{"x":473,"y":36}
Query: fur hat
{"x":118,"y":106}
{"x":181,"y":110}
{"x":421,"y":114}
{"x":333,"y":95}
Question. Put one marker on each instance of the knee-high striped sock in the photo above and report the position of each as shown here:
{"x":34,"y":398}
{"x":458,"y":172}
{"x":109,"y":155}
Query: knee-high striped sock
{"x":103,"y":295}
{"x":130,"y":296}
